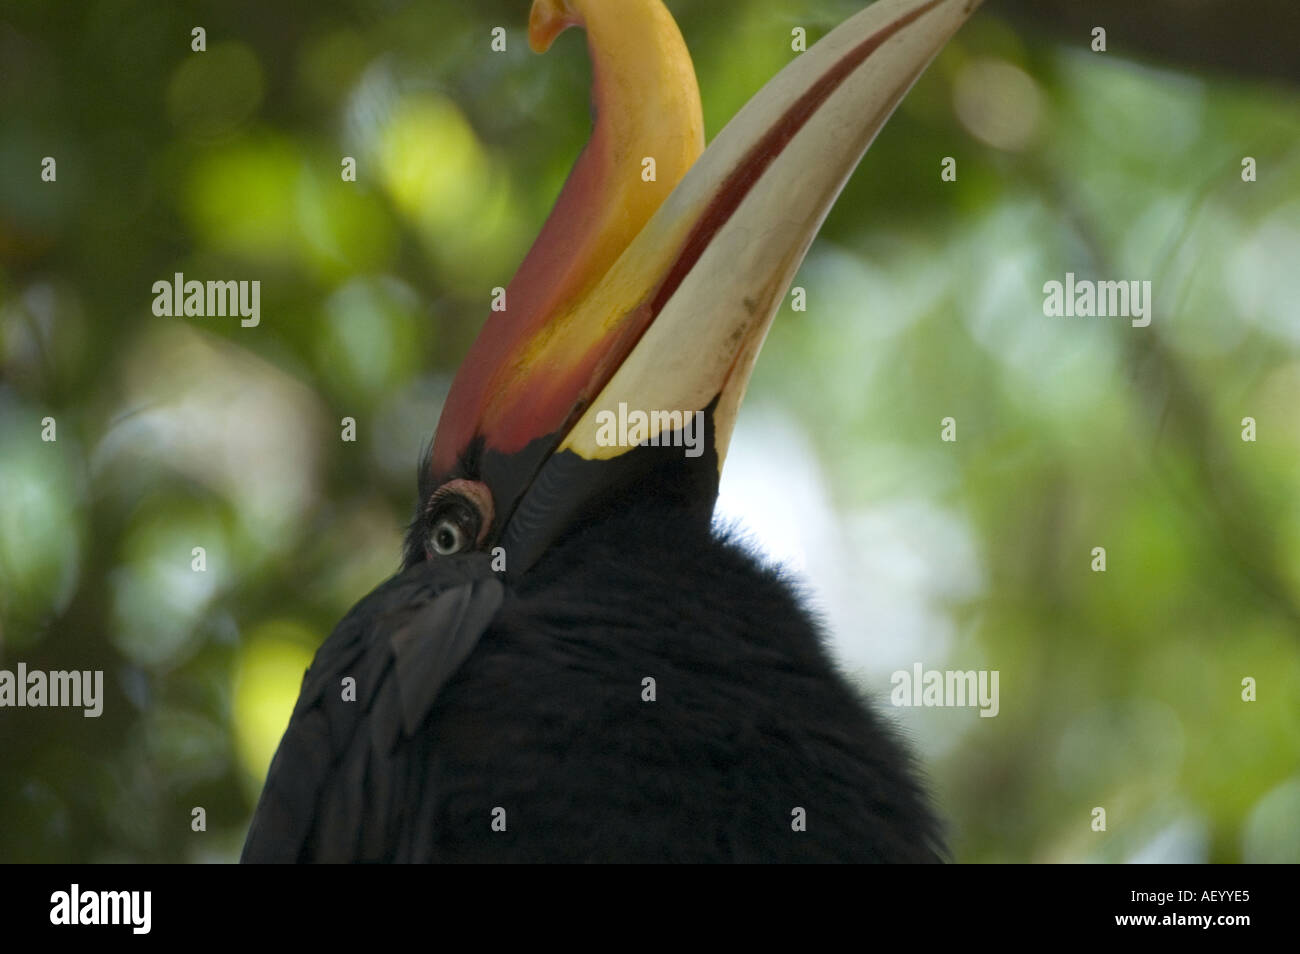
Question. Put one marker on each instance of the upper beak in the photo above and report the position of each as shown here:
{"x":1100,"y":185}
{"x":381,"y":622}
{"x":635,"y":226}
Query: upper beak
{"x":659,"y":297}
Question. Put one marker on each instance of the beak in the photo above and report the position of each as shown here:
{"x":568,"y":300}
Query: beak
{"x":655,"y":294}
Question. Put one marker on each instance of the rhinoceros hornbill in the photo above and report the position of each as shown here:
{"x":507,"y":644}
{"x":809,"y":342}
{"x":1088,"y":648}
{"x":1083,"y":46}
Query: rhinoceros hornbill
{"x":573,"y":664}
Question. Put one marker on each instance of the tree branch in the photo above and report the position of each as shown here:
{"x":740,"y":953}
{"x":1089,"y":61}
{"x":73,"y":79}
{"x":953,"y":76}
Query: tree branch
{"x":1253,"y":39}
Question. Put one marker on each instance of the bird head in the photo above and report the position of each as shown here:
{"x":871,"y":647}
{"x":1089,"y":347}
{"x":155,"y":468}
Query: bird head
{"x":615,"y":363}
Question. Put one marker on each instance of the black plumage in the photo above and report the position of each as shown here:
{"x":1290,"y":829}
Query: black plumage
{"x":545,"y":717}
{"x":507,"y":714}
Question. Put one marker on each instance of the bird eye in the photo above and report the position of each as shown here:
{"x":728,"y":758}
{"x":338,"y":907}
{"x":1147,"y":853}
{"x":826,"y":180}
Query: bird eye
{"x":447,"y":537}
{"x":459,"y":515}
{"x":454,"y":528}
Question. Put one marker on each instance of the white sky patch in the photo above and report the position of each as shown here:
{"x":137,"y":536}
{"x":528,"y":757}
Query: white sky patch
{"x":880,"y":576}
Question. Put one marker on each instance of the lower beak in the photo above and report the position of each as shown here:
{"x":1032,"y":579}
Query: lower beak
{"x":701,"y":282}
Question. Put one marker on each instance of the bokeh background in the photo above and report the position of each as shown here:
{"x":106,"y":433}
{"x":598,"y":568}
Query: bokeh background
{"x":1119,"y":689}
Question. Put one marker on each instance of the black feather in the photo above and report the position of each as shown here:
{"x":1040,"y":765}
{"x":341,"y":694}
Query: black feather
{"x":331,"y":771}
{"x":535,"y":707}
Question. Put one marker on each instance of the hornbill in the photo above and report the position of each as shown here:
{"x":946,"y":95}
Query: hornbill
{"x":573,"y":663}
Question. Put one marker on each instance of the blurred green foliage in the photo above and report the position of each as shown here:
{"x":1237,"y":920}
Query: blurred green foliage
{"x":1119,"y":689}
